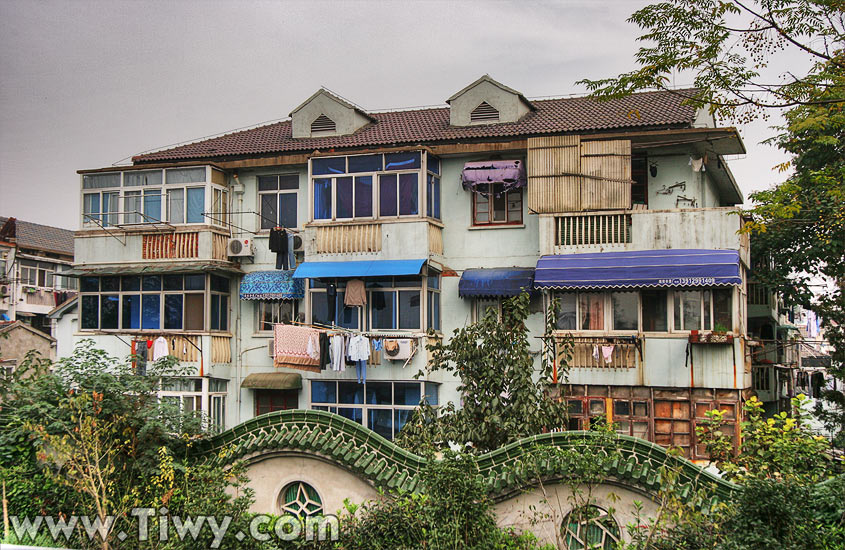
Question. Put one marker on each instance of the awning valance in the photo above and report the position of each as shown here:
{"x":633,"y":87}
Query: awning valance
{"x":641,"y":268}
{"x":273,"y":381}
{"x":146,"y":269}
{"x":272,"y":285}
{"x":505,"y":281}
{"x":509,"y":172}
{"x":371,"y":268}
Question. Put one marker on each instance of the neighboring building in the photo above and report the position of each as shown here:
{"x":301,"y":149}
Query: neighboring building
{"x":31,"y":257}
{"x":441,"y":212}
{"x":16,"y":340}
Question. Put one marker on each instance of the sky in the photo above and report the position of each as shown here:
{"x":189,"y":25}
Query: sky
{"x":87,"y":84}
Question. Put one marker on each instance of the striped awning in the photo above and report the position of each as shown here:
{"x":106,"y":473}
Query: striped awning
{"x":272,"y":285}
{"x":641,"y":268}
{"x":497,"y":282}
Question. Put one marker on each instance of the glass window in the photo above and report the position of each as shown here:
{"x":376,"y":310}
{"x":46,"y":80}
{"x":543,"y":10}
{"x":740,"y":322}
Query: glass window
{"x":173,"y":311}
{"x":90,"y":312}
{"x":194,"y":311}
{"x":382,"y":308}
{"x":407,"y":393}
{"x":172,"y":282}
{"x":274,"y":312}
{"x":344,"y":197}
{"x":363,"y":196}
{"x":492,"y":205}
{"x":402,"y":161}
{"x":110,"y":283}
{"x":185,"y":175}
{"x":654,"y":310}
{"x":722,"y":310}
{"x":380,"y":393}
{"x":433,"y":164}
{"x":133,"y":207}
{"x":101,"y":181}
{"x":152,"y":205}
{"x":195,"y":205}
{"x":625,"y":310}
{"x":408,"y":195}
{"x":287,"y":209}
{"x":176,"y":205}
{"x":322,"y":199}
{"x":150,"y":311}
{"x":195,"y":282}
{"x":365,"y":163}
{"x":131,"y":311}
{"x":434,"y":310}
{"x":109,"y":311}
{"x":388,"y":195}
{"x":381,"y":422}
{"x":687,"y":310}
{"x":332,"y":165}
{"x":136,"y":179}
{"x":566,"y":314}
{"x":433,"y":199}
{"x":409,"y":309}
{"x":151,"y":282}
{"x":591,"y":306}
{"x":89,"y":284}
{"x":323,"y":392}
{"x":91,"y":206}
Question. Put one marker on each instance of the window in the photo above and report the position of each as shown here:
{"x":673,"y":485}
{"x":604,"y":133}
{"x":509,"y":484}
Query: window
{"x":301,"y":500}
{"x":433,"y":300}
{"x":346,"y":317}
{"x":654,"y":310}
{"x":483,"y":306}
{"x":277,"y":198}
{"x":374,"y":186}
{"x":267,"y":401}
{"x":323,"y":124}
{"x":590,"y":527}
{"x":39,"y":274}
{"x":492,"y":206}
{"x":703,"y":310}
{"x":484,"y":113}
{"x":384,"y":407}
{"x":631,"y":417}
{"x":639,"y":173}
{"x":395,"y":303}
{"x":189,"y":397}
{"x":154,"y":302}
{"x":274,"y":312}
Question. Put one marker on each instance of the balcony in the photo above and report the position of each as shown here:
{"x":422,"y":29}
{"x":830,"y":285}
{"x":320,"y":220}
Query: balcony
{"x":373,"y":240}
{"x":619,"y":230}
{"x":602,"y":352}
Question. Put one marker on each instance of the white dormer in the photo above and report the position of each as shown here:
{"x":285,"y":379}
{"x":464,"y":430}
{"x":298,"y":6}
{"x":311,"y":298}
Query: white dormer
{"x":486,"y":101}
{"x":325,"y":114}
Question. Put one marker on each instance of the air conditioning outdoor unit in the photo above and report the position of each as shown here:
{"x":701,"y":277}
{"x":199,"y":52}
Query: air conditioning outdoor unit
{"x":398,"y":349}
{"x":239,"y":247}
{"x":298,"y":243}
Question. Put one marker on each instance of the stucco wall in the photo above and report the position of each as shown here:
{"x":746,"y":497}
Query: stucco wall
{"x":511,"y":108}
{"x":21,"y":340}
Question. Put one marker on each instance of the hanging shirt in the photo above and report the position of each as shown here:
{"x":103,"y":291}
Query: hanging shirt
{"x":356,"y":295}
{"x":359,"y":348}
{"x":338,"y":352}
{"x":160,"y":348}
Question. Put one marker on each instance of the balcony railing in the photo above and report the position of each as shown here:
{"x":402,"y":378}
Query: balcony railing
{"x":593,"y":229}
{"x":601,"y":352}
{"x":393,"y":239}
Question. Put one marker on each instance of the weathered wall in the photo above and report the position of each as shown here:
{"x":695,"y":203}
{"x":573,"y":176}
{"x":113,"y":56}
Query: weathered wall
{"x":21,"y":340}
{"x":511,"y":108}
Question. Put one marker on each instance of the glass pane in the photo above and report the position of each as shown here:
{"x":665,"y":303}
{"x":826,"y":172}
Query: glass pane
{"x":90,"y":311}
{"x":173,"y":311}
{"x":289,"y":182}
{"x":152,"y":205}
{"x":323,"y":392}
{"x":194,"y":311}
{"x":150,"y":314}
{"x":515,"y":206}
{"x":185,"y":175}
{"x":381,"y":422}
{"x":566,"y":311}
{"x":350,"y":392}
{"x":706,"y":307}
{"x":319,"y":308}
{"x":356,"y":415}
{"x":322,"y":199}
{"x":624,"y":310}
{"x":269,"y":214}
{"x":437,"y":198}
{"x":131,"y":311}
{"x":196,"y":205}
{"x":195,"y":282}
{"x":100,"y":181}
{"x":176,"y":205}
{"x":134,"y":179}
{"x":365,"y":163}
{"x":268,"y":183}
{"x":592,"y":310}
{"x":89,"y":284}
{"x":215,"y":312}
{"x":111,"y":203}
{"x":653,"y":305}
{"x":132,"y":207}
{"x":407,"y":393}
{"x":431,"y":393}
{"x":224,"y":313}
{"x":333,"y":165}
{"x":408,"y":195}
{"x":108,"y":311}
{"x":151,"y":282}
{"x":722,"y":310}
{"x":91,"y":205}
{"x":500,"y":204}
{"x":434,"y":310}
{"x":110,"y":283}
{"x":287,"y":209}
{"x":433,"y":164}
{"x":382,"y":306}
{"x":400,"y":418}
{"x":363,"y":196}
{"x":402,"y":161}
{"x":343,"y":200}
{"x":347,"y":316}
{"x":172,"y":282}
{"x":409,"y":310}
{"x":379,"y":393}
{"x":622,"y":408}
{"x":690,"y":309}
{"x":387,"y":195}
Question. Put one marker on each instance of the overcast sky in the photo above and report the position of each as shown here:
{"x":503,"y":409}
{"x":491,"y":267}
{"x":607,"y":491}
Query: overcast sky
{"x":86,"y":84}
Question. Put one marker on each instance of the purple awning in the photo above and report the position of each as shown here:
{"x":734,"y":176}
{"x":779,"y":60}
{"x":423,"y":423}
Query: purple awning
{"x":509,"y":172}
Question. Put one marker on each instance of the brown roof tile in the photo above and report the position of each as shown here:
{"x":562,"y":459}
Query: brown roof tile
{"x":42,"y":237}
{"x":553,"y":116}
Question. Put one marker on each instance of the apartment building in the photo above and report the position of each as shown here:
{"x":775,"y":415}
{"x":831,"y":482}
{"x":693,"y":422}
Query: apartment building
{"x":621,"y":213}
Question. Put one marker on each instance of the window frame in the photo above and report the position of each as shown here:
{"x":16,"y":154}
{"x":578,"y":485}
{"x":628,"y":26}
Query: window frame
{"x":489,"y":197}
{"x":276,"y":315}
{"x":278,"y":192}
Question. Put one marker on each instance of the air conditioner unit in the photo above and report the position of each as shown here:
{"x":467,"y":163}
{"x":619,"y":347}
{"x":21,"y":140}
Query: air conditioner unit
{"x":239,"y":247}
{"x":398,"y":349}
{"x":298,"y":243}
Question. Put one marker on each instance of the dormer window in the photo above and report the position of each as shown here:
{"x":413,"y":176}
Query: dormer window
{"x":484,"y":113}
{"x":323,"y":124}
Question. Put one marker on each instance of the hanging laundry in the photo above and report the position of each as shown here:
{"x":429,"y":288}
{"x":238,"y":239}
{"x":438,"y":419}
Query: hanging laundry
{"x":359,"y":348}
{"x":378,"y":345}
{"x":347,"y":338}
{"x":291,"y":255}
{"x":356,"y":294}
{"x":337,"y":353}
{"x":361,"y":371}
{"x":697,"y":164}
{"x":607,"y":353}
{"x":325,"y":353}
{"x":596,"y":353}
{"x":160,"y":348}
{"x":290,"y":346}
{"x":313,"y":347}
{"x":279,"y":244}
{"x":149,"y":344}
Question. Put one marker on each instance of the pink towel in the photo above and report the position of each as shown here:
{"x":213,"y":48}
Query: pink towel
{"x":607,"y":353}
{"x":290,"y":345}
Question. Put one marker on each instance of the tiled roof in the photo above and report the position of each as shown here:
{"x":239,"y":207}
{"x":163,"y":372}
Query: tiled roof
{"x":42,"y":237}
{"x":553,"y":116}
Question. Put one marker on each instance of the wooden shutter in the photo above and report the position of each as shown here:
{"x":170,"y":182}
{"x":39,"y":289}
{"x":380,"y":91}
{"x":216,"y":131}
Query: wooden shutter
{"x":606,"y":166}
{"x":554,"y":168}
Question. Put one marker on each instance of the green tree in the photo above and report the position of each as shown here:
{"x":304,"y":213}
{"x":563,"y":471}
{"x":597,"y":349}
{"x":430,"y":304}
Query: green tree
{"x":503,"y":398}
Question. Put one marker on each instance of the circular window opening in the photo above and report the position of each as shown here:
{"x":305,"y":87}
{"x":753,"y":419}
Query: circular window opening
{"x":590,"y":527}
{"x":301,"y":500}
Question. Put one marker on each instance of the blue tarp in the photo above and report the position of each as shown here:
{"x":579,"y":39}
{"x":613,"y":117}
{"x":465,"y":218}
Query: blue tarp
{"x":272,"y":285}
{"x":371,"y":268}
{"x":504,"y":281}
{"x":642,"y":268}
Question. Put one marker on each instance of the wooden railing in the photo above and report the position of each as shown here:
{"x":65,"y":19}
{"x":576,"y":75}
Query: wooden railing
{"x":221,"y":349}
{"x":601,"y":352}
{"x":337,"y":239}
{"x":219,"y":244}
{"x":435,"y":239}
{"x":592,"y":229}
{"x":170,"y":245}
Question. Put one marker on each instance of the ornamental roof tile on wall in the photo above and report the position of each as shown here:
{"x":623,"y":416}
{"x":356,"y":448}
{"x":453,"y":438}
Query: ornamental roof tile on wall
{"x":553,"y":116}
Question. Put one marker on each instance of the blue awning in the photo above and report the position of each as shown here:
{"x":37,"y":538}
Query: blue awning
{"x":642,"y":268}
{"x":371,"y":268}
{"x":505,"y":281}
{"x":271,"y":285}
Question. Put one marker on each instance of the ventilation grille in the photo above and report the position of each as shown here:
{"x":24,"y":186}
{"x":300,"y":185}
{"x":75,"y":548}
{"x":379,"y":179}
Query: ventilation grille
{"x":325,"y":124}
{"x":484,"y":112}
